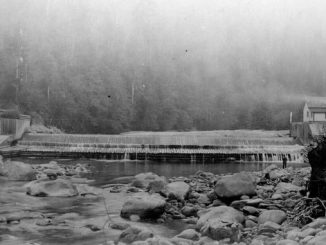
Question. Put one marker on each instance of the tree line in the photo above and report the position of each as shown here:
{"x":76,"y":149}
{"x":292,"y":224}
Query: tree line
{"x":88,"y":68}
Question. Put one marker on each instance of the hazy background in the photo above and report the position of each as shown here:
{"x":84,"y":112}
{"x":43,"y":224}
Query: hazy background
{"x":109,"y":66}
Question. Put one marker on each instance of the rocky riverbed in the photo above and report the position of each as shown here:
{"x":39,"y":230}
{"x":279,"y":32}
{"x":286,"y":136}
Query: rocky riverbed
{"x":53,"y":204}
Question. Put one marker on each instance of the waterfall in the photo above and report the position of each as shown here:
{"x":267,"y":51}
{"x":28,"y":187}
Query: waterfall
{"x":126,"y":156}
{"x":202,"y":147}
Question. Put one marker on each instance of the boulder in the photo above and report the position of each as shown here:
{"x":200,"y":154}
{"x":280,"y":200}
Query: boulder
{"x":84,"y":189}
{"x":308,"y":238}
{"x":189,"y":211}
{"x":269,"y":226}
{"x":254,"y":202}
{"x":250,"y":210}
{"x":119,"y":226}
{"x":177,"y":190}
{"x":287,"y":242}
{"x":157,"y":186}
{"x":51,"y":165}
{"x":157,"y":240}
{"x":180,"y":241}
{"x":317,"y":240}
{"x":14,"y":170}
{"x":51,"y":173}
{"x":250,"y":224}
{"x":293,"y":234}
{"x":134,"y":233}
{"x":223,"y":213}
{"x":317,"y":223}
{"x":54,"y":188}
{"x":203,"y":199}
{"x":143,"y":180}
{"x":220,"y":222}
{"x":276,"y":216}
{"x":277,"y":173}
{"x":277,"y":196}
{"x":238,"y":204}
{"x":269,"y":168}
{"x":144,"y":205}
{"x":244,"y":197}
{"x":204,"y":240}
{"x":204,"y":175}
{"x":231,"y":187}
{"x":308,"y":232}
{"x":189,"y":234}
{"x":321,"y":233}
{"x":283,"y":187}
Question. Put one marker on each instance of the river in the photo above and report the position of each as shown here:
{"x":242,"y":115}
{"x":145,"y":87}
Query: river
{"x":90,"y":210}
{"x":104,"y":171}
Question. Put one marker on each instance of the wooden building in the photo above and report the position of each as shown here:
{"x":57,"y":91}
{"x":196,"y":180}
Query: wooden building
{"x":314,"y":109}
{"x":313,"y":122}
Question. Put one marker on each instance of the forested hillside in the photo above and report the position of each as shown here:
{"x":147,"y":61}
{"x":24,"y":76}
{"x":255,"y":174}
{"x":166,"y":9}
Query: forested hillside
{"x":110,"y":66}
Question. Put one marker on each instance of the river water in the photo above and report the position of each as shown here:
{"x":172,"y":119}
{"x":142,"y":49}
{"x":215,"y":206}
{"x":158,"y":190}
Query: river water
{"x":91,"y":210}
{"x":104,"y":171}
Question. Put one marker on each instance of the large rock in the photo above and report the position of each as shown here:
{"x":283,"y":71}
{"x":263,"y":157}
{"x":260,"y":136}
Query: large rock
{"x":268,"y":227}
{"x":143,"y":180}
{"x":269,"y":168}
{"x":234,"y":186}
{"x":189,"y":234}
{"x":177,"y":190}
{"x":317,"y":223}
{"x":287,"y":242}
{"x":134,"y":233}
{"x":220,"y":222}
{"x":144,"y":205}
{"x":317,"y":240}
{"x":189,"y":211}
{"x":278,"y":173}
{"x":283,"y":187}
{"x":276,"y":216}
{"x":14,"y":170}
{"x":53,"y":188}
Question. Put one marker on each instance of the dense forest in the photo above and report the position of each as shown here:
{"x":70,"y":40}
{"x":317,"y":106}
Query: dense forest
{"x":110,"y":66}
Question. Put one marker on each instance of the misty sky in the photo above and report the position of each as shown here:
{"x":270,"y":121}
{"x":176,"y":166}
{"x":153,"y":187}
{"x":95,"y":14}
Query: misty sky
{"x":217,"y":36}
{"x":221,"y":36}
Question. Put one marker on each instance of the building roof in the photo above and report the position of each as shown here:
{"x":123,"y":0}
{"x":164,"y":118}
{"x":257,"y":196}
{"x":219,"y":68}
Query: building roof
{"x":316,"y":102}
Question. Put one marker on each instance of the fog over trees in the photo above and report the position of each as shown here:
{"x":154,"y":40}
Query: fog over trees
{"x":110,"y":66}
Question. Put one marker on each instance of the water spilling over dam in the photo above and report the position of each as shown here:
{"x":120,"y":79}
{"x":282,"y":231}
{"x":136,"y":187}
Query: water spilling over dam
{"x":207,"y":146}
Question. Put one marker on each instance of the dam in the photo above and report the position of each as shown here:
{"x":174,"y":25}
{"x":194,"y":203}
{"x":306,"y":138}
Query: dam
{"x":196,"y":146}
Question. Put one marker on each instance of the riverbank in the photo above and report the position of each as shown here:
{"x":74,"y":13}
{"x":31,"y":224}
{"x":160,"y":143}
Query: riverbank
{"x":262,"y":207}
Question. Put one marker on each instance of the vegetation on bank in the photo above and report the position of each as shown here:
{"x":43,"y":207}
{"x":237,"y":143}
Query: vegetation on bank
{"x":77,"y":66}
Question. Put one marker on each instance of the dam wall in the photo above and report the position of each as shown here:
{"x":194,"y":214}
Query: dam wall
{"x":199,"y":146}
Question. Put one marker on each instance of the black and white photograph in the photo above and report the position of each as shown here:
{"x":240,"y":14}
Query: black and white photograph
{"x":162,"y":122}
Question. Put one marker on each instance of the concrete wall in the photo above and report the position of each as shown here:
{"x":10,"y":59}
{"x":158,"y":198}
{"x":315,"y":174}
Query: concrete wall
{"x":306,"y":131}
{"x":14,"y":127}
{"x":296,"y":130}
{"x":307,"y":115}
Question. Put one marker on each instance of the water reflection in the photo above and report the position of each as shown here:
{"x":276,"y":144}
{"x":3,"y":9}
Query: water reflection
{"x":105,"y":170}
